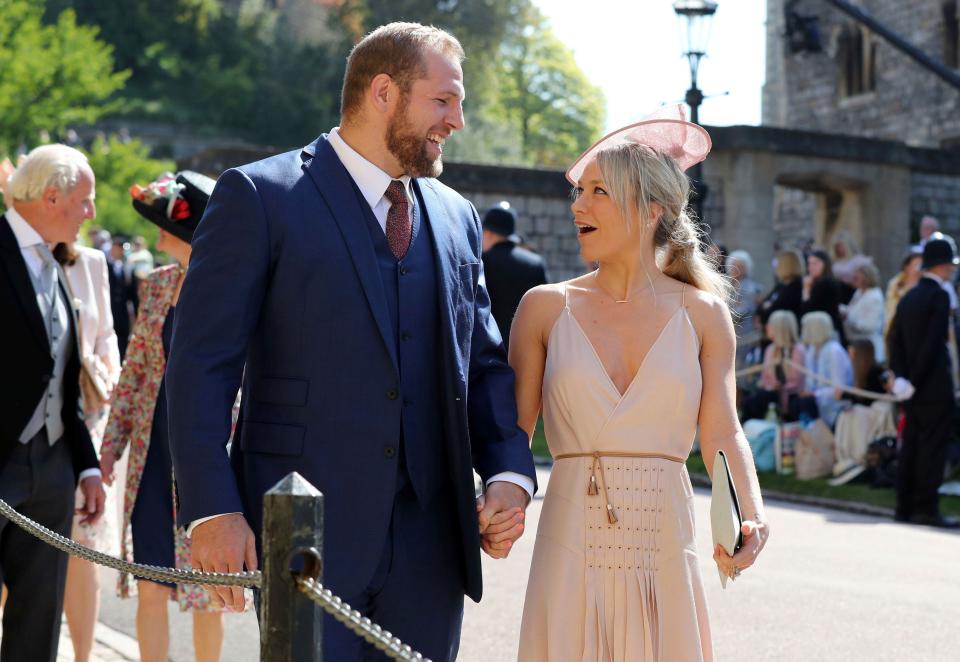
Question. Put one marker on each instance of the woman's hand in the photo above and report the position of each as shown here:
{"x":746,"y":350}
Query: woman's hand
{"x":107,"y":460}
{"x":755,"y":533}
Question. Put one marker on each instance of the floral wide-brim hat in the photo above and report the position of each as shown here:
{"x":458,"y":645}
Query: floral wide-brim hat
{"x":175,"y":203}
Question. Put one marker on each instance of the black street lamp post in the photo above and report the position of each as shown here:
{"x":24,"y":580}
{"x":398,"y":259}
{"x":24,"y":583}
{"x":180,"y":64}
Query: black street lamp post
{"x":696,"y":20}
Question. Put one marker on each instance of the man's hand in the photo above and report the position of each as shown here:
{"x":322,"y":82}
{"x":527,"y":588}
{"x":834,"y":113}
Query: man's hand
{"x":500,"y":513}
{"x":224,"y":544}
{"x":93,"y":499}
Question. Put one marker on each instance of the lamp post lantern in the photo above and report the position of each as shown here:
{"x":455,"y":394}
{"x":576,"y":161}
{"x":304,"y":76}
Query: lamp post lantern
{"x":696,"y":18}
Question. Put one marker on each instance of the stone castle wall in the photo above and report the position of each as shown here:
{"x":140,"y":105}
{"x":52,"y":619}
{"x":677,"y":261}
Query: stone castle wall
{"x":909,"y":103}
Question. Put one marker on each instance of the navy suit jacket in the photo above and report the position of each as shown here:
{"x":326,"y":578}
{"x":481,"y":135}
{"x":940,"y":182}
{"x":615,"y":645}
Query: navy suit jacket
{"x":284,"y":294}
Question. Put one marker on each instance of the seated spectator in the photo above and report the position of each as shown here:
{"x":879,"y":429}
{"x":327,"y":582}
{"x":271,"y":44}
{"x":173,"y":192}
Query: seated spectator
{"x":868,"y":374}
{"x":779,"y":379}
{"x":867,"y":419}
{"x":827,"y":363}
{"x":863,"y":318}
{"x":900,"y":284}
{"x":743,"y":302}
{"x":787,"y":293}
{"x":821,"y":291}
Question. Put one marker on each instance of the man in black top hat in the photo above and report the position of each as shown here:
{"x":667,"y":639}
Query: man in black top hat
{"x":510,"y":269}
{"x":921,"y":362}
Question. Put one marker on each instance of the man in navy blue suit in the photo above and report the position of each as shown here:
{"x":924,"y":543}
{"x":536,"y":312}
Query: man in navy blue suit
{"x":343,"y":283}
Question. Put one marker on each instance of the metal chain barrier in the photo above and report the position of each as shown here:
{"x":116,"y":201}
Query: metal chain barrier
{"x":333,"y":605}
{"x":151,"y":572}
{"x":360,"y":625}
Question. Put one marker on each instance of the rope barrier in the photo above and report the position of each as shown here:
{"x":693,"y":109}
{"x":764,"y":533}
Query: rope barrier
{"x":151,"y":572}
{"x":851,"y":390}
{"x":359,"y":624}
{"x":363,"y":627}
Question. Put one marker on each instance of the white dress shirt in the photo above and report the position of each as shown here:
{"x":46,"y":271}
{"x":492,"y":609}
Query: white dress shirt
{"x":29,"y":240}
{"x":373,"y":183}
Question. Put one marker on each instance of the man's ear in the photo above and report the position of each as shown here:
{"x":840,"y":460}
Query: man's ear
{"x":383,"y":92}
{"x":50,"y":195}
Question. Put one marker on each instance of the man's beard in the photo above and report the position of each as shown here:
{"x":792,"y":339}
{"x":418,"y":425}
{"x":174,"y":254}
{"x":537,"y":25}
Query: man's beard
{"x":409,"y":148}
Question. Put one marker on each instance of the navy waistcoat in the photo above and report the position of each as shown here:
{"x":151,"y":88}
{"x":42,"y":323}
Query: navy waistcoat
{"x":411,"y":285}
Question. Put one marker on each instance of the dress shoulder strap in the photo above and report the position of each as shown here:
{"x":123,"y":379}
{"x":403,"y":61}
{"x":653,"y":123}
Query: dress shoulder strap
{"x":566,"y":295}
{"x":683,"y":295}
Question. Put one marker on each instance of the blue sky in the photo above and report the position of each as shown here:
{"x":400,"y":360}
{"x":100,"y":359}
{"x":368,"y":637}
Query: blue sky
{"x":632,"y":49}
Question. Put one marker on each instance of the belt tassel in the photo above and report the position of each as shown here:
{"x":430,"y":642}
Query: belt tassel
{"x":593,"y":491}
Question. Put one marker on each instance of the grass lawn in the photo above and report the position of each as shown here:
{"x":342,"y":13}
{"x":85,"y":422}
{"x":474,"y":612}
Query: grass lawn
{"x":790,"y":485}
{"x":818,"y":487}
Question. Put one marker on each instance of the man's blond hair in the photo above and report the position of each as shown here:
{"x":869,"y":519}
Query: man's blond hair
{"x":395,"y":49}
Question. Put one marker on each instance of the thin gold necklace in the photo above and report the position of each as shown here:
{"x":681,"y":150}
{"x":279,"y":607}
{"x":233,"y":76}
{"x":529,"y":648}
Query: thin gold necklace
{"x":631,"y":295}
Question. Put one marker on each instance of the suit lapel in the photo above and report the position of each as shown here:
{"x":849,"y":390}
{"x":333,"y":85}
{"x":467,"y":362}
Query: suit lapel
{"x":12,"y":260}
{"x":337,"y":189}
{"x":445,"y":251}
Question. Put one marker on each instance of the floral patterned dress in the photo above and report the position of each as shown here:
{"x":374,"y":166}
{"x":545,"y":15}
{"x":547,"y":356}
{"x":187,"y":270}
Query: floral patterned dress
{"x":131,"y":421}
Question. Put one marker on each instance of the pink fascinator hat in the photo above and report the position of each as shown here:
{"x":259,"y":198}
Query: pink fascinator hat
{"x":667,"y":131}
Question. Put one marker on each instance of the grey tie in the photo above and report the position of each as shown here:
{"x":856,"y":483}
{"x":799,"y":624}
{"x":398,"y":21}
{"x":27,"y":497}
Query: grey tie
{"x":47,"y":291}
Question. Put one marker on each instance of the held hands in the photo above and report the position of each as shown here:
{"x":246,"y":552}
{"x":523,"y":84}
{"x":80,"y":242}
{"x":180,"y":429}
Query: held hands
{"x":107,"y":462}
{"x":500,"y":513}
{"x":93,"y":499}
{"x":224,"y":544}
{"x":755,"y":533}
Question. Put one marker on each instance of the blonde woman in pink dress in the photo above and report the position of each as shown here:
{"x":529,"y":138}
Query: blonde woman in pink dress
{"x":626,"y":362}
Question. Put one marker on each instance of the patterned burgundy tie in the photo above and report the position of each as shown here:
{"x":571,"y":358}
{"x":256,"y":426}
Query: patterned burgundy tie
{"x":399,"y":227}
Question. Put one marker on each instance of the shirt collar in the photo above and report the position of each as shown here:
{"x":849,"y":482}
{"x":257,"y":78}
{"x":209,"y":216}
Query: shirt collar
{"x":934,"y":277}
{"x":23,"y":231}
{"x":371,"y":180}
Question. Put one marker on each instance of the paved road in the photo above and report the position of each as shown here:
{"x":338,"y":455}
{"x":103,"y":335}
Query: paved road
{"x":830,"y":586}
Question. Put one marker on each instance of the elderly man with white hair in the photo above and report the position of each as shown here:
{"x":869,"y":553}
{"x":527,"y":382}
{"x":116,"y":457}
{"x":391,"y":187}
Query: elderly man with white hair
{"x":45,"y":449}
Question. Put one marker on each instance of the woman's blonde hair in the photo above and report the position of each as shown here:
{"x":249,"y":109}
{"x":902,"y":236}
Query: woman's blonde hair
{"x":783,"y":328}
{"x":638,"y":176}
{"x":817,"y":328}
{"x":789,"y":266}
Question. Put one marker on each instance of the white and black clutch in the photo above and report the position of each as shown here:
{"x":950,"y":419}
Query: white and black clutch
{"x":725,"y":518}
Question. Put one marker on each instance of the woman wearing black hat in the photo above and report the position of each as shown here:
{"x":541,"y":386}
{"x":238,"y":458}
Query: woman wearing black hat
{"x":138,"y":419}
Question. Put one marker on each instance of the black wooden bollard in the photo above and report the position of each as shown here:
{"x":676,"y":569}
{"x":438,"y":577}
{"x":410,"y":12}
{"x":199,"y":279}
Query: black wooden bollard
{"x":291,"y":625}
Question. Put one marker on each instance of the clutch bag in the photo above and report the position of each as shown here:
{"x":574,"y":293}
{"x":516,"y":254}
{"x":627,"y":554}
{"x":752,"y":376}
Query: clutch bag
{"x":725,"y":518}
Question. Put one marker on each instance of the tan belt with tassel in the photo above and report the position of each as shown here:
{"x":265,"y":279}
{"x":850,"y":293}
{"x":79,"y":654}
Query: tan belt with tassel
{"x":598,"y":468}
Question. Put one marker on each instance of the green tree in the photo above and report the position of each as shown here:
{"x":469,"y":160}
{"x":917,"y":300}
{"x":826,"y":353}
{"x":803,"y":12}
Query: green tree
{"x":54,"y":75}
{"x":117,"y":165}
{"x":546,"y":96}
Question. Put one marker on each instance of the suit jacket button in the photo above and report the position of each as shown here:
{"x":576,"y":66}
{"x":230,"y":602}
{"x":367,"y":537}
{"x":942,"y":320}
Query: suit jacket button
{"x":389,"y":452}
{"x":392,"y":394}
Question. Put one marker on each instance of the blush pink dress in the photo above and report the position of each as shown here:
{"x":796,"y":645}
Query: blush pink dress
{"x":629,"y":590}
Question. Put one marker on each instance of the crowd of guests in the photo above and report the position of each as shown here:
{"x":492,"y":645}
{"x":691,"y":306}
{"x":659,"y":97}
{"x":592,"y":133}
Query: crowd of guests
{"x":124,"y":307}
{"x":825,"y":336}
{"x":116,"y":446}
{"x":825,"y":325}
